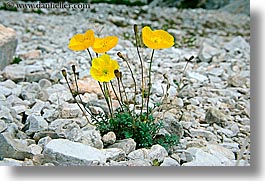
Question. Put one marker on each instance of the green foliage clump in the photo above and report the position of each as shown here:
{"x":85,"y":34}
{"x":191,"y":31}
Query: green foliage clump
{"x":16,"y":60}
{"x":142,"y":129}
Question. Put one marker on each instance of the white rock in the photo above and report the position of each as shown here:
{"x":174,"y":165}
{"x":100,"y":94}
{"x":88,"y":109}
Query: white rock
{"x":170,"y":162}
{"x":116,"y":154}
{"x":207,"y":52}
{"x":139,"y":154}
{"x":8,"y":45}
{"x":158,"y":153}
{"x":36,"y":123}
{"x":197,"y":76}
{"x":202,"y":158}
{"x":62,"y":152}
{"x":109,"y":138}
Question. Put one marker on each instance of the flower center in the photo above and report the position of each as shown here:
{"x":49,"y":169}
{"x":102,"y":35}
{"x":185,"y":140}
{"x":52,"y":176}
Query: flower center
{"x":156,"y":40}
{"x":105,"y":72}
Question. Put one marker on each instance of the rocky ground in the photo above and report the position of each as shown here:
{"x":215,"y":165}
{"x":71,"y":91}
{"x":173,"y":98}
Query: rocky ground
{"x":41,"y":125}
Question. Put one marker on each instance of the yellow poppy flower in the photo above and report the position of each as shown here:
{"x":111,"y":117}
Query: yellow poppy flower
{"x":102,"y":45}
{"x":82,"y":41}
{"x":157,"y":39}
{"x":103,"y":68}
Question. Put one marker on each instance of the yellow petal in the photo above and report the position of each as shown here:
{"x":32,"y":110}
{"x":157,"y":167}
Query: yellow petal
{"x":157,"y":39}
{"x":103,"y":68}
{"x":102,"y":45}
{"x":76,"y":42}
{"x":82,"y":41}
{"x":89,"y":38}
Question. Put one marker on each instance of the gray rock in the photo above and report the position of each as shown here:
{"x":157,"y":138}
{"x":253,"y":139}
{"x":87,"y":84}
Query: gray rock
{"x":232,"y":146}
{"x":13,"y":162}
{"x":220,"y":151}
{"x":36,"y":123}
{"x":44,"y":141}
{"x":3,"y":126}
{"x":15,"y":72}
{"x":73,"y":132}
{"x":70,"y":110}
{"x":8,"y":45}
{"x":10,"y":148}
{"x":5,"y":91}
{"x":139,"y":154}
{"x":238,"y":6}
{"x":41,"y":134}
{"x":109,"y":138}
{"x":5,"y":113}
{"x":62,"y":152}
{"x":118,"y":21}
{"x":171,"y":124}
{"x":128,"y":145}
{"x":16,"y":101}
{"x":157,"y":152}
{"x":38,"y":107}
{"x":203,"y":133}
{"x":197,"y":76}
{"x":207,"y":52}
{"x":50,"y":114}
{"x":169,"y":162}
{"x":237,"y":44}
{"x":36,"y":76}
{"x":31,"y":92}
{"x":215,"y":116}
{"x":91,"y":137}
{"x":45,"y":83}
{"x":115,"y":154}
{"x":35,"y":149}
{"x":202,"y":158}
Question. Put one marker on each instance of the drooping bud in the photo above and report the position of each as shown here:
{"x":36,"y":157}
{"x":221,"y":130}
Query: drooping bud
{"x":73,"y":68}
{"x":135,"y":28}
{"x":64,"y":73}
{"x":117,"y":73}
{"x":120,"y":55}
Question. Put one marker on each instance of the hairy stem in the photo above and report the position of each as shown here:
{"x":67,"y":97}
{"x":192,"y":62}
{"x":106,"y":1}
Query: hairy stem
{"x":116,"y":95}
{"x":149,"y":83}
{"x":142,"y":70}
{"x":68,"y":84}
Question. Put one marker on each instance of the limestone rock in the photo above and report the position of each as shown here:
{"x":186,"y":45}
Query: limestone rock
{"x":10,"y":148}
{"x":8,"y":45}
{"x":128,"y":145}
{"x":62,"y":152}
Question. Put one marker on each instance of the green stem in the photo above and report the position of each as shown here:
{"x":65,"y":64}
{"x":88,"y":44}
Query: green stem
{"x":77,"y":89}
{"x":106,"y":99}
{"x":68,"y":84}
{"x":116,"y":95}
{"x":142,"y":71}
{"x":109,"y":97}
{"x":135,"y":89}
{"x":119,"y":86}
{"x":149,"y":83}
{"x":90,"y":57}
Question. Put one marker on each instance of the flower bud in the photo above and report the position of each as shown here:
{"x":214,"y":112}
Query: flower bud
{"x":120,"y":55}
{"x":64,"y":73}
{"x":117,"y":73}
{"x":135,"y":28}
{"x":73,"y":68}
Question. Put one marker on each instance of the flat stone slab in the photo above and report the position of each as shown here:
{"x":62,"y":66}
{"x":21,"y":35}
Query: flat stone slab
{"x":62,"y":152}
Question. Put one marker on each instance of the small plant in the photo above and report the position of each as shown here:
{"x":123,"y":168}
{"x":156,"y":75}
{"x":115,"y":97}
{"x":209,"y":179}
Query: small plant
{"x":126,"y":121}
{"x":16,"y":60}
